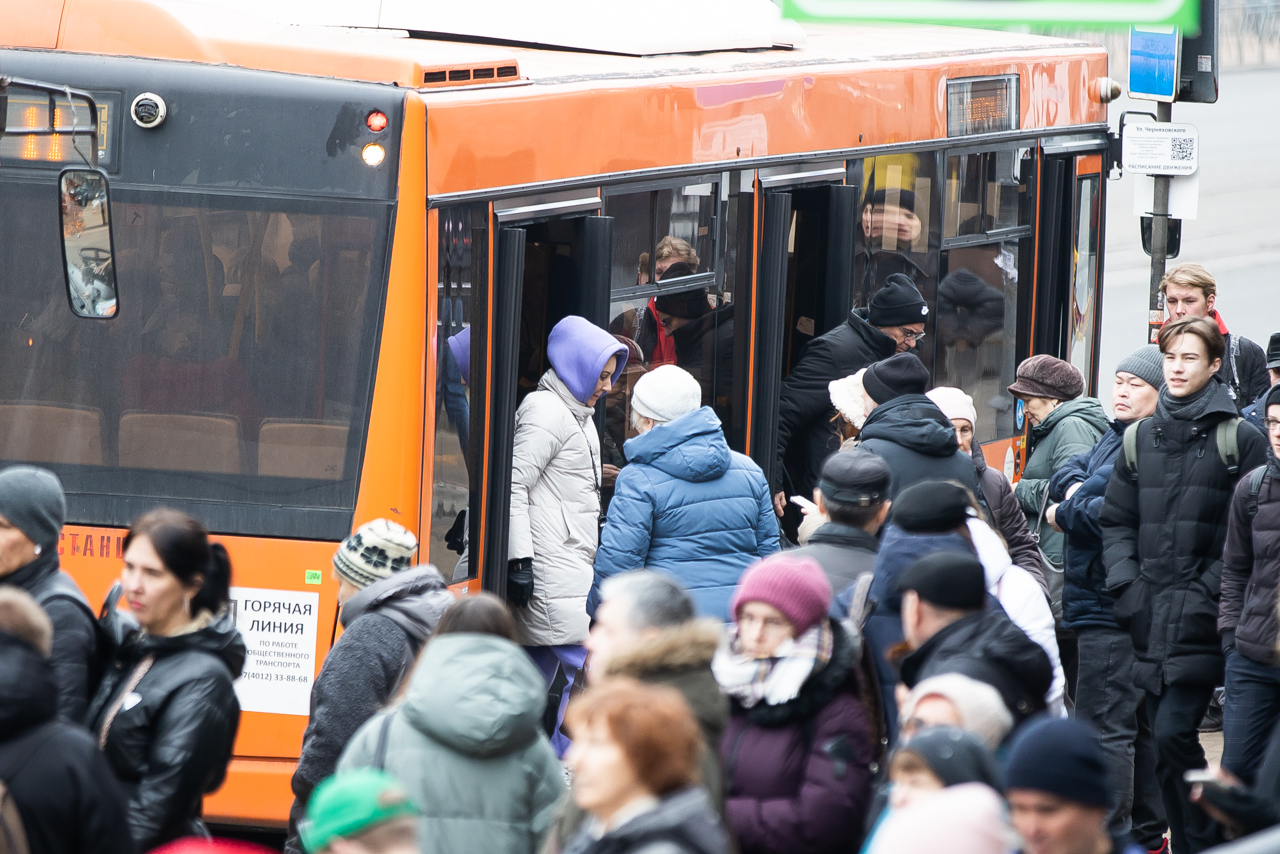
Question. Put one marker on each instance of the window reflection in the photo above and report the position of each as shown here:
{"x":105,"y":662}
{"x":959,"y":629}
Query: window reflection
{"x":896,"y":222}
{"x":1084,"y":262}
{"x":463,"y":259}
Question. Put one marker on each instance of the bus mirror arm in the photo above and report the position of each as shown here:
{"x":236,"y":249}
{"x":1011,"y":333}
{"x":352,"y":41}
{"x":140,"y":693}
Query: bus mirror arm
{"x":1115,"y":145}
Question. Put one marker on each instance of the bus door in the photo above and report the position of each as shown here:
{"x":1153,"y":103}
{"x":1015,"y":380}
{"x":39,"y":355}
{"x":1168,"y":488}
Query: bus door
{"x":981,"y":304}
{"x":806,"y":282}
{"x":1068,"y":292}
{"x":551,"y":260}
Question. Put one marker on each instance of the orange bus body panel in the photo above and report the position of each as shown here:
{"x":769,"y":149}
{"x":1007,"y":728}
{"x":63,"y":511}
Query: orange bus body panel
{"x":390,"y":481}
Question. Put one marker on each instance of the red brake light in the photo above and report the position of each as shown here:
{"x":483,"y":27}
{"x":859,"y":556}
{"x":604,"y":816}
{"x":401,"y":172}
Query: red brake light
{"x":377,"y":121}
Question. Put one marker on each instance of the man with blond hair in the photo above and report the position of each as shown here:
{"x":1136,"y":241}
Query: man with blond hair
{"x":1190,"y":291}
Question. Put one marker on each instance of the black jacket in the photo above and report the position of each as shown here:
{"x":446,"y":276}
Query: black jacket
{"x":69,"y":800}
{"x":684,"y":822}
{"x":918,"y":442}
{"x":843,"y":551}
{"x":384,"y":627}
{"x":75,"y":638}
{"x":987,"y":646}
{"x":1007,"y":518}
{"x":1246,"y":376}
{"x":806,"y":434}
{"x":1251,"y":570}
{"x":1085,"y":600}
{"x":1164,"y":522}
{"x":171,"y":740}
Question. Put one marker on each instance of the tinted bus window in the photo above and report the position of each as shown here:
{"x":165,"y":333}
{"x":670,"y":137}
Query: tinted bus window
{"x":898,"y":228}
{"x":1084,"y":262}
{"x":464,"y":256}
{"x":236,"y":373}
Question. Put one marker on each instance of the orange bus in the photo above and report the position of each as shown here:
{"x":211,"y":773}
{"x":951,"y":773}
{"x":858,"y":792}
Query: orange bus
{"x":339,"y":250}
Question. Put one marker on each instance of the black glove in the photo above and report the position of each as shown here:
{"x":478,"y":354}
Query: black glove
{"x":519,"y":582}
{"x":454,"y":537}
{"x":1228,"y":641}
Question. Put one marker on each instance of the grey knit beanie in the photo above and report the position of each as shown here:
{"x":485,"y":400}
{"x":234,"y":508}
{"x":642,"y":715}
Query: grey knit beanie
{"x":1146,"y":363}
{"x":31,"y":499}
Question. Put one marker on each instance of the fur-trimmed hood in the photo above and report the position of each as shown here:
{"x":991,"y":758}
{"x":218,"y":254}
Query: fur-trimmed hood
{"x":685,"y":647}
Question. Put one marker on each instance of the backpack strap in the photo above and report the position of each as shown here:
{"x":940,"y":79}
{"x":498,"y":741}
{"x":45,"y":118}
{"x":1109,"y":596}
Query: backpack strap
{"x":1227,"y":437}
{"x":1255,"y":488}
{"x":1130,"y":444}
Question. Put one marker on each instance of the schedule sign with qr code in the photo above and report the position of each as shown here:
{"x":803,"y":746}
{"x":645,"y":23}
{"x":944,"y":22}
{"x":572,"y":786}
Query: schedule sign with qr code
{"x":1161,"y":149}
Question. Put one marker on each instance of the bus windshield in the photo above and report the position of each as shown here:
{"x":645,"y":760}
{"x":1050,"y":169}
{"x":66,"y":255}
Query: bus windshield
{"x":234,"y":380}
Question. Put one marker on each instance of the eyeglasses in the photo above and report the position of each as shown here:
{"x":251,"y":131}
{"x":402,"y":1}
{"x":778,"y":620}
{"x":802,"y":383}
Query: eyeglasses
{"x":1271,"y":423}
{"x":911,"y":336}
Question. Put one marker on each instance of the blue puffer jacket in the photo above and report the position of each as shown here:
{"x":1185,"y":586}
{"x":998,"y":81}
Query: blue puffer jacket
{"x":1085,"y":601}
{"x":690,"y":507}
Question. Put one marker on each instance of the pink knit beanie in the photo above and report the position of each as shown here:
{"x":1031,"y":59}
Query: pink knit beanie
{"x":796,"y":586}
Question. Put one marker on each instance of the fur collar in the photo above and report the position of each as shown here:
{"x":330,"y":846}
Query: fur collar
{"x":820,"y":689}
{"x":684,"y":647}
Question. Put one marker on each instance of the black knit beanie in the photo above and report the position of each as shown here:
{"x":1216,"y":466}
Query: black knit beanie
{"x":896,"y":376}
{"x":1060,"y":756}
{"x":898,"y":303}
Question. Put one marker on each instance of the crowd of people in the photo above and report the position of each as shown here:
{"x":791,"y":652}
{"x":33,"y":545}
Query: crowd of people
{"x":935,"y":659}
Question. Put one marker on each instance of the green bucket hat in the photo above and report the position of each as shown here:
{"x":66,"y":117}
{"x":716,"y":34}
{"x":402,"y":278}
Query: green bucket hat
{"x":350,"y":803}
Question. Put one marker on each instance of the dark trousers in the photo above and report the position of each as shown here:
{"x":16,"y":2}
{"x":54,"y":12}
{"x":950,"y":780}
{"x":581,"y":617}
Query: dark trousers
{"x":1107,"y":699}
{"x":1249,"y":714}
{"x":1175,"y":717}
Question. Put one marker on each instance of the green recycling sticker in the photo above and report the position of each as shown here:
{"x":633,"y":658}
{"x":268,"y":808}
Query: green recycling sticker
{"x":314,"y":576}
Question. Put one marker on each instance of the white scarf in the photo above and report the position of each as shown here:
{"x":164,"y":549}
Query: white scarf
{"x":774,"y":680}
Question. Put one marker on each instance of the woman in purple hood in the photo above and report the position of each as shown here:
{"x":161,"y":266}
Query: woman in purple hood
{"x":555,"y":494}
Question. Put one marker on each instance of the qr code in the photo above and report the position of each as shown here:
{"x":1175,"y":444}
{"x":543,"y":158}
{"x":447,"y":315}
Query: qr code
{"x":1184,"y":147}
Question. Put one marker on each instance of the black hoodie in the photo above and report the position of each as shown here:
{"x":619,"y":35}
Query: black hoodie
{"x":69,"y":800}
{"x":170,"y":741}
{"x":919,"y":444}
{"x":683,"y":822}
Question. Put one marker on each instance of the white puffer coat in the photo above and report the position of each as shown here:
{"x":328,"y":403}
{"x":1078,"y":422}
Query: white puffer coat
{"x":555,"y":510}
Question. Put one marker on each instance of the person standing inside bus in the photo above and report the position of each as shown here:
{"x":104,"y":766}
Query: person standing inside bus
{"x":166,"y":713}
{"x":1190,"y":291}
{"x":32,"y":510}
{"x":893,"y":323}
{"x":555,"y":498}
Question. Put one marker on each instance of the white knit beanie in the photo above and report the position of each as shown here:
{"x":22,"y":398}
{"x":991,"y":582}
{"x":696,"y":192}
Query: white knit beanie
{"x":954,"y":403}
{"x":666,"y":393}
{"x":982,"y":711}
{"x":374,"y":551}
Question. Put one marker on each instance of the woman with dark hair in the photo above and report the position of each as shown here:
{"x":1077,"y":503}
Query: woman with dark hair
{"x":466,"y":740}
{"x":166,"y":713}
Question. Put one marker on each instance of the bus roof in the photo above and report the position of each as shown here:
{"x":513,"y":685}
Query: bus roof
{"x":227,"y":32}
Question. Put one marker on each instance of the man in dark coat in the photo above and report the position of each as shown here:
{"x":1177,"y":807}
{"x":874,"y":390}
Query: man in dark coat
{"x":854,"y":495}
{"x":1106,"y":696}
{"x":908,"y":430}
{"x":32,"y":510}
{"x":892,"y":323}
{"x":388,"y":611}
{"x":949,"y":629}
{"x":1164,"y":521}
{"x":69,"y":800}
{"x":1247,"y":616}
{"x":1190,"y":291}
{"x":1256,"y":411}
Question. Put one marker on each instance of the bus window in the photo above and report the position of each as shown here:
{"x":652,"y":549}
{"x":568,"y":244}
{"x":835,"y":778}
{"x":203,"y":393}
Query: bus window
{"x":464,"y":256}
{"x":237,"y":370}
{"x":985,"y":192}
{"x":1084,"y":263}
{"x":897,"y":228}
{"x":666,"y":300}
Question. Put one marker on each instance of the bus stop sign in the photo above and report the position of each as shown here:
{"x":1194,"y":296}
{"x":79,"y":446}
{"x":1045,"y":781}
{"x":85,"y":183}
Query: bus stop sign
{"x":1153,"y":63}
{"x":1161,"y":148}
{"x":1111,"y":14}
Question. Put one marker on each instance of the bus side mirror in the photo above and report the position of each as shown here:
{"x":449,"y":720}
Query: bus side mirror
{"x":87,"y":254}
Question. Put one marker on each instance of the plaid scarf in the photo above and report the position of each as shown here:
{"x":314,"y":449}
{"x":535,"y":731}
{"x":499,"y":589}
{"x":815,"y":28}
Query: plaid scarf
{"x":775,"y":680}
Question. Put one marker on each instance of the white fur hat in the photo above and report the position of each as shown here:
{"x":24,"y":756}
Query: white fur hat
{"x":846,"y":397}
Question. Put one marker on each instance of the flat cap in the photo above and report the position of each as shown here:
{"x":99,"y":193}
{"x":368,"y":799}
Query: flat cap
{"x":947,"y":580}
{"x":859,"y":477}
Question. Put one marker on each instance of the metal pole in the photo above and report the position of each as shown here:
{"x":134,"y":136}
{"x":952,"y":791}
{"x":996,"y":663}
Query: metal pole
{"x":1159,"y":237}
